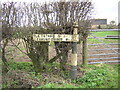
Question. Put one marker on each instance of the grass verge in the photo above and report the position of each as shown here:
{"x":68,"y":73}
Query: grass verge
{"x":95,"y":76}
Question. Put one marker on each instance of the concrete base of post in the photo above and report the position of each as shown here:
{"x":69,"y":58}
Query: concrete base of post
{"x":73,"y":72}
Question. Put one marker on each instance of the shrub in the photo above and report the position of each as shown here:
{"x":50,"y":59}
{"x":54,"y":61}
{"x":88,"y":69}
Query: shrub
{"x":27,"y":66}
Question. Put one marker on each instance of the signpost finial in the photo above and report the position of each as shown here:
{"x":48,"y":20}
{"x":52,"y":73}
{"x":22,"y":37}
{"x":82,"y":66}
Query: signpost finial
{"x":75,"y":24}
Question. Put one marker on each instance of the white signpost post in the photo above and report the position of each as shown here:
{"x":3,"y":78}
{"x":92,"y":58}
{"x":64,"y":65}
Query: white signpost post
{"x":63,"y":38}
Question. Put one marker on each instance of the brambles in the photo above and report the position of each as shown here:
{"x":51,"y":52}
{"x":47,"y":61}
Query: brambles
{"x":19,"y":79}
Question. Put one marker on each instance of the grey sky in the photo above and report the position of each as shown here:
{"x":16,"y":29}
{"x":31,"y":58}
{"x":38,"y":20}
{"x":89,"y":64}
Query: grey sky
{"x":106,"y":9}
{"x":119,"y":12}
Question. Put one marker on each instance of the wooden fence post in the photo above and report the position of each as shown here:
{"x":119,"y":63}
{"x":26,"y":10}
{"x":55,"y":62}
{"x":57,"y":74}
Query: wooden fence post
{"x":84,"y":56}
{"x":73,"y":71}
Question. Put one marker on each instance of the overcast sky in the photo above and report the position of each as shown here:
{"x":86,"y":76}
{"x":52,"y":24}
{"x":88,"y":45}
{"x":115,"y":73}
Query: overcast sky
{"x":104,"y":9}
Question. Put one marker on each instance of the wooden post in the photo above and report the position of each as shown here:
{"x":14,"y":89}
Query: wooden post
{"x":49,"y":52}
{"x":73,"y":72}
{"x":84,"y":56}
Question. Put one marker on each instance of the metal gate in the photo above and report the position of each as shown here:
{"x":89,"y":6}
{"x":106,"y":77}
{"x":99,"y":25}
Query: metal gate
{"x":103,"y":49}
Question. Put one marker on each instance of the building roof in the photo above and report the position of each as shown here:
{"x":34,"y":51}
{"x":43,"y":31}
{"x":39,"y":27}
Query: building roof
{"x":99,"y":21}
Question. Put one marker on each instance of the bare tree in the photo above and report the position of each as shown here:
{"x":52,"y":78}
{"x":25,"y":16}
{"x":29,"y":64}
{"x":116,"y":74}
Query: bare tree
{"x":62,"y":16}
{"x":8,"y":19}
{"x":55,"y":18}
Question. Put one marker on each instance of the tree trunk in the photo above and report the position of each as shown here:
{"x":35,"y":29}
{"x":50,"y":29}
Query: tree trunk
{"x":39,"y":55}
{"x":5,"y":64}
{"x":63,"y":61}
{"x":63,"y":50}
{"x":5,"y":42}
{"x":55,"y":58}
{"x":36,"y":62}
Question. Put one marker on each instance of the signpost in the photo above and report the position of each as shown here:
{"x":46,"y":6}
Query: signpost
{"x":63,"y":38}
{"x":74,"y":54}
{"x":56,"y":37}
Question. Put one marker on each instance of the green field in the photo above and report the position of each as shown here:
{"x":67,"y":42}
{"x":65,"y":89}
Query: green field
{"x":103,"y":34}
